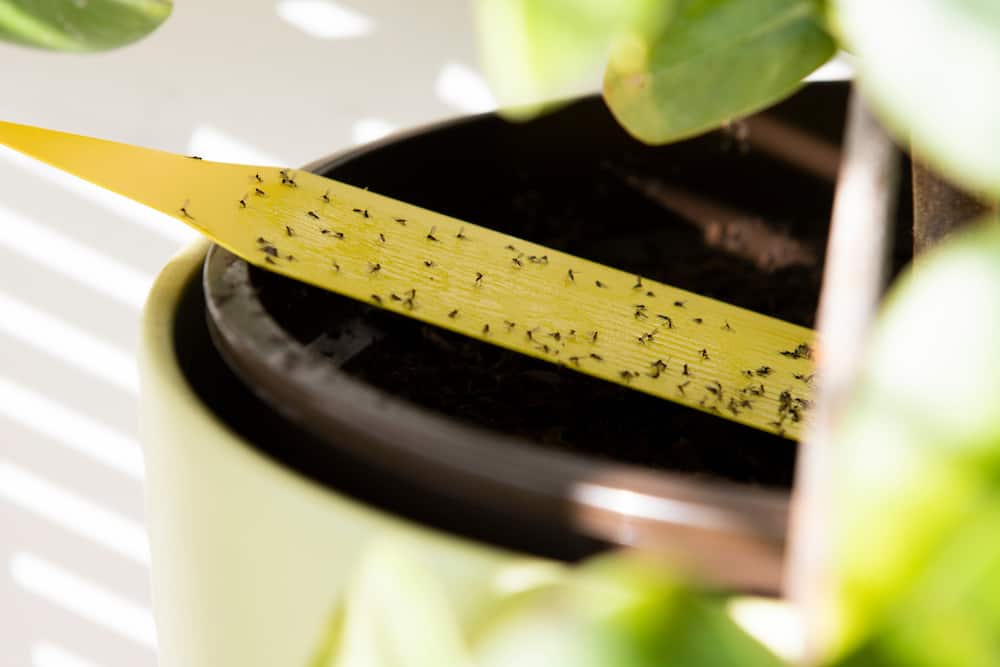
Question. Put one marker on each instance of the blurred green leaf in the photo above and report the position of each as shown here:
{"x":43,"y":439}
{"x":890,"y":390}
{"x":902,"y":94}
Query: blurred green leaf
{"x":80,"y":25}
{"x":717,"y":60}
{"x":931,"y":68}
{"x":919,"y":469}
{"x":951,"y":615}
{"x":395,"y":615}
{"x":617,"y":612}
{"x":534,"y":51}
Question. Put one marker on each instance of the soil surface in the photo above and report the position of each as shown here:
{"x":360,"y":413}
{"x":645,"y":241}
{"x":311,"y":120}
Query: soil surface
{"x":597,"y":200}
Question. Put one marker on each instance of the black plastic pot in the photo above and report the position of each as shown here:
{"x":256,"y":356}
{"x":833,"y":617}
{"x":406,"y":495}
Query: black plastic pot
{"x":712,"y":495}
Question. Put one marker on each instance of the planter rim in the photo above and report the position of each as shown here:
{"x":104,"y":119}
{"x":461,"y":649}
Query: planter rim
{"x":162,"y":379}
{"x":736,"y":532}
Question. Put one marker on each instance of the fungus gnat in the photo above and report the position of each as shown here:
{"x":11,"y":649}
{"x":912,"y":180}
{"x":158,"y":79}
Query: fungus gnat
{"x":802,"y":351}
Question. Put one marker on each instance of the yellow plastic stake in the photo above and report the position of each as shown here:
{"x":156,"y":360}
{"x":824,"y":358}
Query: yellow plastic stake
{"x":510,"y":292}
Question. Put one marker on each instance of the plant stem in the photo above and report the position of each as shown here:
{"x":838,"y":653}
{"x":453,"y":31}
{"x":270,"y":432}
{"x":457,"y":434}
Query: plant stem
{"x":939,"y":208}
{"x":853,"y":282}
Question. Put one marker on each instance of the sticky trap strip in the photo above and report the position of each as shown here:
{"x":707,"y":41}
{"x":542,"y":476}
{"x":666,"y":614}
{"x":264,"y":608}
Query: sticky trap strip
{"x":594,"y":319}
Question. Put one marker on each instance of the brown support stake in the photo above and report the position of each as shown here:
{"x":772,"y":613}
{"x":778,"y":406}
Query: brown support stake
{"x":939,"y":208}
{"x":853,"y":281}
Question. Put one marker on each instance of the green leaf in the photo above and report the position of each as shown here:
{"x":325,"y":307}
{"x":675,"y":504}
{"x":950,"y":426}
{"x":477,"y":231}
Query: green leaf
{"x":80,"y":25}
{"x":717,"y":60}
{"x":919,"y":463}
{"x":931,"y":68}
{"x":951,"y":615}
{"x":617,"y":612}
{"x":534,"y":51}
{"x":396,"y":614}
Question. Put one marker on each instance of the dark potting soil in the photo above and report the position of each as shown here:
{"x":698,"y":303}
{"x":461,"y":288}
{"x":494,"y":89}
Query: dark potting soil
{"x":590,"y":202}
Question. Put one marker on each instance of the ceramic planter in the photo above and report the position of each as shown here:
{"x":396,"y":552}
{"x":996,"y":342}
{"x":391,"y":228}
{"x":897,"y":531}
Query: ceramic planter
{"x":250,"y":558}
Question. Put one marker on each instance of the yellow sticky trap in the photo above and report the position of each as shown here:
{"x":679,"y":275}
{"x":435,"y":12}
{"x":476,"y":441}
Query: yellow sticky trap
{"x":594,"y":319}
